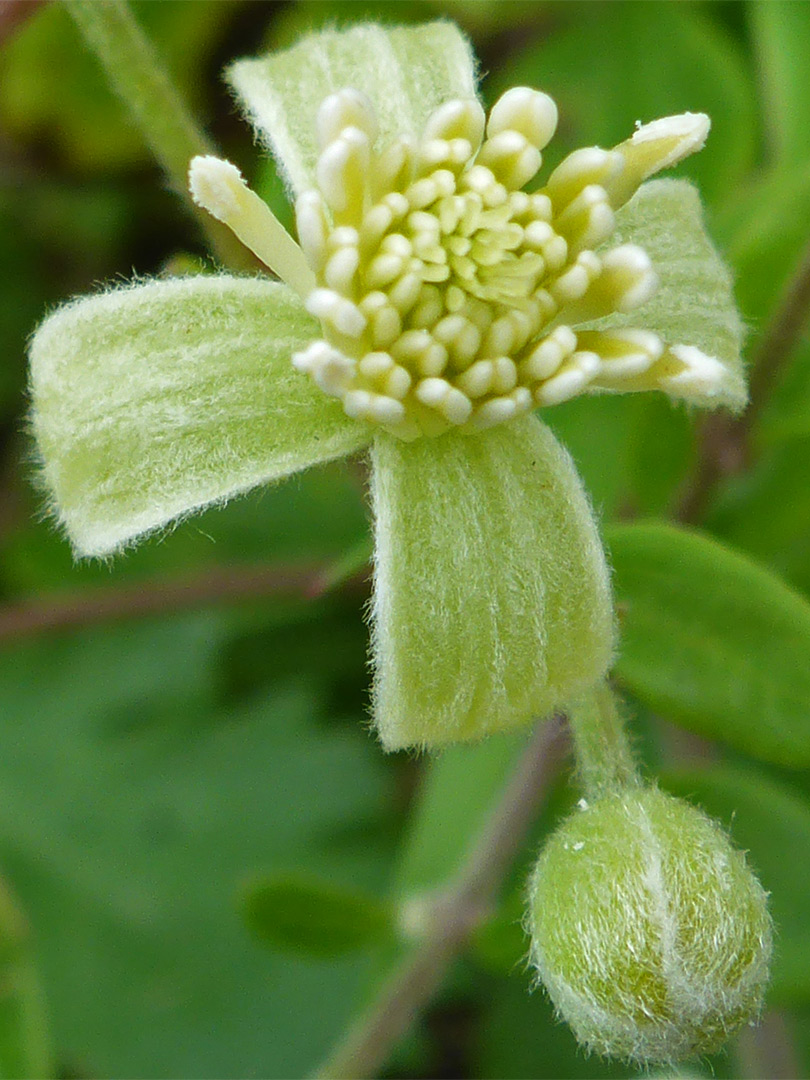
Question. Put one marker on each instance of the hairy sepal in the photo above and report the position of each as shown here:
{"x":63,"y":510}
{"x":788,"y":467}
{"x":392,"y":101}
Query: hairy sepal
{"x":492,"y":601}
{"x":694,"y":304}
{"x":406,"y":72}
{"x":153,"y":400}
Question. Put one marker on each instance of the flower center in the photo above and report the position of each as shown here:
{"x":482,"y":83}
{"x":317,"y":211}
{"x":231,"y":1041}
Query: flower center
{"x":440,"y":282}
{"x":447,"y":295}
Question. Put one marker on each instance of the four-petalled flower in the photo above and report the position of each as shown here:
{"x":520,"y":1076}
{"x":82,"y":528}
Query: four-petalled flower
{"x":432,"y":305}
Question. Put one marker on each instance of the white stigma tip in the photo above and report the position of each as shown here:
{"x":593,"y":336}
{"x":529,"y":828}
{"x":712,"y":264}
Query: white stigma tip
{"x":690,"y":129}
{"x":216,"y":185}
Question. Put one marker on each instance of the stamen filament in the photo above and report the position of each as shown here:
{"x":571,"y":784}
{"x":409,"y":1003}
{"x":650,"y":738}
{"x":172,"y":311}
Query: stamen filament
{"x":218,"y":187}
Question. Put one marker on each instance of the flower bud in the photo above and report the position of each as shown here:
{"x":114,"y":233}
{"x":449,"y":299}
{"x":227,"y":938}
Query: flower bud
{"x":649,"y":931}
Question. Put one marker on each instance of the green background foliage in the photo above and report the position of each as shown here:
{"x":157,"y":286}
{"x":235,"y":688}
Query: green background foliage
{"x":206,"y":849}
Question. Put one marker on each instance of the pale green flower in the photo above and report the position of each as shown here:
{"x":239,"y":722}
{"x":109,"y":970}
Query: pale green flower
{"x":432,"y":305}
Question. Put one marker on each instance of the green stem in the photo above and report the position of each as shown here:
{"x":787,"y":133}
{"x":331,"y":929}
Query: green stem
{"x":453,"y":916}
{"x":137,"y":76}
{"x":601,"y":746}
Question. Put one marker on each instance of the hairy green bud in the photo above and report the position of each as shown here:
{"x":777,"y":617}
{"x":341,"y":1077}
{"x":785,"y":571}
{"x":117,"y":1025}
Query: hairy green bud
{"x":649,"y":931}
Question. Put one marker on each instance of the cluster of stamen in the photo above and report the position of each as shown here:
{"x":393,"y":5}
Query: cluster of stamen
{"x":447,"y":294}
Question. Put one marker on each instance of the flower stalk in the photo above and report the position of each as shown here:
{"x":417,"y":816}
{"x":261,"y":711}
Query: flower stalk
{"x":601,"y":746}
{"x":137,"y":76}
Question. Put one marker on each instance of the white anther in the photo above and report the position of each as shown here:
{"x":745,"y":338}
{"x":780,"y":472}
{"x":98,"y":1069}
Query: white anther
{"x":421,"y":222}
{"x":461,"y":151}
{"x":589,"y":165}
{"x":313,"y":227}
{"x":625,"y":353}
{"x":466,"y":343}
{"x":394,"y":167}
{"x":477,"y":379}
{"x":628,"y":276}
{"x":432,"y":391}
{"x":504,"y":375}
{"x":541,"y":206}
{"x":342,"y":171}
{"x":386,"y":326}
{"x":433,"y":360}
{"x":397,"y":204}
{"x":404,"y":293}
{"x":385,"y":410}
{"x":500,"y":337}
{"x":457,"y":120}
{"x":522,"y":398}
{"x":701,"y":374}
{"x":573,"y":376}
{"x":456,"y":407}
{"x":422,"y":193}
{"x":376,"y":222}
{"x":588,"y":219}
{"x":437,"y":152}
{"x":449,"y":328}
{"x":375,"y":364}
{"x":396,"y":244}
{"x":478,"y":179}
{"x":495,"y":411}
{"x":329,"y":306}
{"x":570,"y":286}
{"x":398,"y":382}
{"x":330,"y":369}
{"x":341,"y":269}
{"x":436,"y":273}
{"x":411,"y":344}
{"x":445,"y":182}
{"x":344,"y":236}
{"x":382,"y":270}
{"x":372,"y":302}
{"x":346,"y":108}
{"x":546,"y":357}
{"x":531,"y":112}
{"x":454,"y":299}
{"x":429,"y":307}
{"x":356,"y":404}
{"x":538,"y":234}
{"x":511,"y":158}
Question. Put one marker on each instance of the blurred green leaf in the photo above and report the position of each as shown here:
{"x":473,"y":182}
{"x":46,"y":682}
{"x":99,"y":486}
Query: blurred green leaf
{"x":771,"y":822}
{"x":781,"y":32}
{"x":54,"y":90}
{"x":313,"y":917}
{"x":609,"y":65}
{"x":131,"y":811}
{"x":762,"y":228}
{"x":713,"y":641}
{"x":632,"y":450}
{"x":24,"y":1049}
{"x":766,"y":512}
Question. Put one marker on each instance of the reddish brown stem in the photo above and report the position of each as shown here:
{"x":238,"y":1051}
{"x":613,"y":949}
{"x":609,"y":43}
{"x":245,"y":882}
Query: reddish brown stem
{"x":222,"y":585}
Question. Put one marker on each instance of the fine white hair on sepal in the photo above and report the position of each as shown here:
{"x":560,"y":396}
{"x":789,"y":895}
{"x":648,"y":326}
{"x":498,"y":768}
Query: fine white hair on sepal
{"x":649,"y":931}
